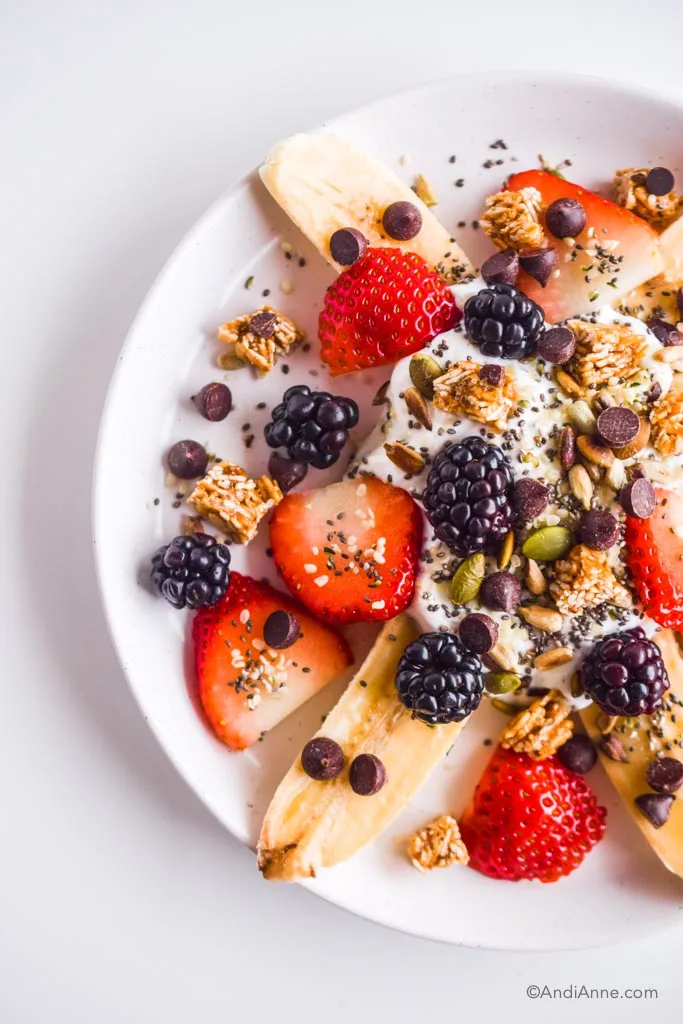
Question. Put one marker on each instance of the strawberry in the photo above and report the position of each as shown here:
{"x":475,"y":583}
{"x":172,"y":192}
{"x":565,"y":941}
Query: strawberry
{"x":349,"y":551}
{"x":655,"y":558}
{"x":229,"y":647}
{"x":530,"y":819}
{"x":387,"y":305}
{"x":585,"y":282}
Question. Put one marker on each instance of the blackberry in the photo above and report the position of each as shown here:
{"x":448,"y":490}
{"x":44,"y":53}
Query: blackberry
{"x":192,"y":571}
{"x":312,"y":426}
{"x":467,"y":497}
{"x":438,"y":679}
{"x":625,"y":674}
{"x":503,"y":322}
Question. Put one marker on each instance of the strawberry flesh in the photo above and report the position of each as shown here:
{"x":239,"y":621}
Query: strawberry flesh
{"x":655,"y":558}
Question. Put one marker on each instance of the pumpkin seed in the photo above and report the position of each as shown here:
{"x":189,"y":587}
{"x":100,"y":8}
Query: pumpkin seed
{"x":424,"y":370}
{"x":506,"y":550}
{"x":548,"y":543}
{"x":505,"y":707}
{"x":502,"y":682}
{"x":467,"y":579}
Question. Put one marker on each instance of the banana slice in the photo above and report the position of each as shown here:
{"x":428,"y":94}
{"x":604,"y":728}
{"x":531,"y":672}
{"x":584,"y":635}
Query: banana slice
{"x":324,"y":183}
{"x":658,"y":297}
{"x":311,"y":825}
{"x":629,"y":777}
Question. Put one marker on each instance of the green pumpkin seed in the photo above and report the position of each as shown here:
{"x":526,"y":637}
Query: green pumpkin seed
{"x":467,"y":579}
{"x":548,"y":543}
{"x":423,"y":371}
{"x":505,"y":707}
{"x":502,"y":682}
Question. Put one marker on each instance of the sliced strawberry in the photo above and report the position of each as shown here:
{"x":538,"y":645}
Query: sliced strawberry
{"x":246,"y":688}
{"x":585,"y":282}
{"x":349,"y":551}
{"x":655,"y":558}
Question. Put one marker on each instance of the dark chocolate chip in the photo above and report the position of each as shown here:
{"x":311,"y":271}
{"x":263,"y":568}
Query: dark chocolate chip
{"x":367,"y":775}
{"x":538,"y":263}
{"x":656,"y":807}
{"x":565,"y":218}
{"x":638,"y":498}
{"x":659,"y":181}
{"x":281,"y":629}
{"x":557,"y":345}
{"x":666,"y":334}
{"x":598,"y":530}
{"x":347,"y":246}
{"x":529,"y":498}
{"x":500,"y":591}
{"x":322,"y":759}
{"x":493,"y":374}
{"x":654,"y":393}
{"x":478,"y":632}
{"x":501,"y":268}
{"x":262,"y":324}
{"x":618,"y":426}
{"x":402,"y":221}
{"x":214,"y":401}
{"x":665,"y":774}
{"x":287,"y":472}
{"x":578,"y":754}
{"x":187,"y":459}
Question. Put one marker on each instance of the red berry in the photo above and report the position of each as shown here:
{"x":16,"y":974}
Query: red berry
{"x":655,"y":558}
{"x":389,"y":304}
{"x":530,"y":819}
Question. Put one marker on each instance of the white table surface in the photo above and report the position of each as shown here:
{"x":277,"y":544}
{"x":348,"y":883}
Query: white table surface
{"x":121,"y":899}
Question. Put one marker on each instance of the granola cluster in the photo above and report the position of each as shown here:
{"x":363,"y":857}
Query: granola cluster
{"x":260,"y":337}
{"x":463,"y":391}
{"x":541,"y":728}
{"x":513,"y":219}
{"x":437,"y":845}
{"x":666,"y":420}
{"x":605,"y":353}
{"x":630,"y":191}
{"x":234,"y":502}
{"x":584,"y":579}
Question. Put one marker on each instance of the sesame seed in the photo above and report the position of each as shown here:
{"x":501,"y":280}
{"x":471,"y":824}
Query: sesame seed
{"x":310,"y":568}
{"x":244,"y":615}
{"x":321,"y":581}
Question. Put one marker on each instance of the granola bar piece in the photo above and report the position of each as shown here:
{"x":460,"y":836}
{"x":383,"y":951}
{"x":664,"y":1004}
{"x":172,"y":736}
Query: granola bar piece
{"x":605,"y":353}
{"x":513,"y":219}
{"x":540,"y":729}
{"x":584,"y":579}
{"x":260,"y":337}
{"x":666,"y":420}
{"x":437,"y":845}
{"x":234,"y":502}
{"x":630,"y":191}
{"x":470,"y":389}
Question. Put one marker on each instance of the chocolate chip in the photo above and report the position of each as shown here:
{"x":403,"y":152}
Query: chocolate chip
{"x":501,"y":268}
{"x":656,"y":807}
{"x":367,"y":775}
{"x":281,"y":629}
{"x":598,"y":530}
{"x":187,"y":459}
{"x":402,"y":221}
{"x":500,"y":591}
{"x":538,"y":263}
{"x":478,"y":632}
{"x":638,"y":498}
{"x":665,"y":774}
{"x":322,"y":759}
{"x":618,"y":426}
{"x":578,"y":754}
{"x":565,"y":218}
{"x":659,"y":181}
{"x":262,"y":324}
{"x":213,"y":402}
{"x":347,"y":246}
{"x":679,"y":301}
{"x":529,"y":498}
{"x":666,"y":334}
{"x":287,"y":472}
{"x":557,"y":345}
{"x":493,"y":374}
{"x":654,"y":393}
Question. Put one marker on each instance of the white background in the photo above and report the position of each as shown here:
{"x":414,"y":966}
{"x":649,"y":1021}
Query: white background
{"x":121,"y":900}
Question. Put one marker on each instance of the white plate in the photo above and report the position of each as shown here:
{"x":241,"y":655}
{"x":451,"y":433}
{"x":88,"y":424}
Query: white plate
{"x":622,"y":890}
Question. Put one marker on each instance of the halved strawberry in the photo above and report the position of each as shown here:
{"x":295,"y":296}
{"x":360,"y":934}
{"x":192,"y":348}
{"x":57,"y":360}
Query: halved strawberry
{"x":595,"y":272}
{"x":655,"y":558}
{"x":245,"y":687}
{"x":349,"y":551}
